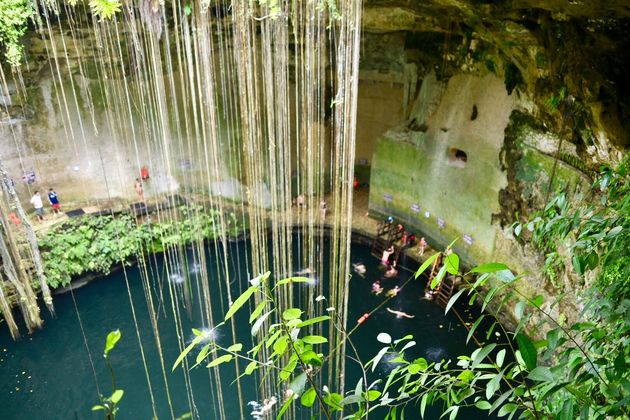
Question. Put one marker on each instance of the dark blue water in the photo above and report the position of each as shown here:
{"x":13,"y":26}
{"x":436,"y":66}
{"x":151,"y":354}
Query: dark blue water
{"x":48,"y":375}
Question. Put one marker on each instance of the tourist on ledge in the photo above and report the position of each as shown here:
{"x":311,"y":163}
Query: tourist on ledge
{"x":139,"y":190}
{"x":54,"y":202}
{"x":421,"y":246}
{"x":36,"y":201}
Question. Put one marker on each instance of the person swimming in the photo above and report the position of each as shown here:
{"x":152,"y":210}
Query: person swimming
{"x":391,"y":271}
{"x":264,"y":409}
{"x":377,"y":289}
{"x":359,"y":268}
{"x":393,"y":292}
{"x":305,"y":271}
{"x":386,"y":254}
{"x":400,"y":314}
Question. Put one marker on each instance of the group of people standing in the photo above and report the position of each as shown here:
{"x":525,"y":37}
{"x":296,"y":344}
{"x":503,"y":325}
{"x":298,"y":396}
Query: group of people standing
{"x":300,"y":202}
{"x":38,"y":204}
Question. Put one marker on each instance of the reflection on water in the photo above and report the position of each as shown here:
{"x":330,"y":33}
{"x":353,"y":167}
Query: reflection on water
{"x":176,"y":278}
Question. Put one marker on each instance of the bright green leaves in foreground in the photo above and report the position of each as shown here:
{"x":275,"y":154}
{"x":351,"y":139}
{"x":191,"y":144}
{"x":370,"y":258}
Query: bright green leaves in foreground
{"x":508,"y":374}
{"x":109,"y":405}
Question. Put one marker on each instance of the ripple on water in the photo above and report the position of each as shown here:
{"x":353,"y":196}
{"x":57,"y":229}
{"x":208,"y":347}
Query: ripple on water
{"x":176,"y":278}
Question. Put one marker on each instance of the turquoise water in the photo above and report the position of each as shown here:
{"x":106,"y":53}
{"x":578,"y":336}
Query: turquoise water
{"x":49,"y":376}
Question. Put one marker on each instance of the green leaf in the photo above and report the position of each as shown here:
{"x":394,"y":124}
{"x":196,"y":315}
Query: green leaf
{"x":519,"y":309}
{"x":240,"y":301}
{"x":235,"y":348}
{"x":426,"y":264}
{"x":259,"y":322}
{"x":452,"y":263}
{"x":500,"y":357}
{"x":334,"y":401}
{"x":251,"y":367}
{"x":292,"y":313}
{"x":438,"y":278}
{"x":286,"y":372}
{"x":528,"y":350}
{"x":423,"y":404}
{"x":117,"y":395}
{"x":373,"y":395}
{"x":473,"y":328}
{"x":493,"y":385}
{"x":497,"y":403}
{"x":187,"y":350}
{"x":308,"y":398}
{"x":219,"y":360}
{"x":384,"y":338}
{"x":483,"y":405}
{"x":507,"y":409}
{"x":466,"y":376}
{"x":202,"y":354}
{"x":480,"y":355}
{"x":110,"y":342}
{"x":541,"y":374}
{"x":567,"y":411}
{"x":293,"y":280}
{"x":98,"y":407}
{"x":313,"y":321}
{"x":537,"y":301}
{"x":314,"y":339}
{"x":489,"y":268}
{"x":454,"y":413}
{"x":453,"y":299}
{"x":298,"y":383}
{"x":280,"y":346}
{"x":311,"y":358}
{"x":259,"y":309}
{"x":285,"y":407}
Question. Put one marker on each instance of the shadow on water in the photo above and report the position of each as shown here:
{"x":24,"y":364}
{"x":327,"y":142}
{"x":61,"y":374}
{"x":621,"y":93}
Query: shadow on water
{"x":48,"y":375}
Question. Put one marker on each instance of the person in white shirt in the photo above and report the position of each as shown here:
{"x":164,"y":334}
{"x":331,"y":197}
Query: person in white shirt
{"x":36,"y":201}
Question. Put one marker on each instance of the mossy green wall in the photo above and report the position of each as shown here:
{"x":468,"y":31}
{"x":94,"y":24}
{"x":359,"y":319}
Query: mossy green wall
{"x":414,"y":167}
{"x":463,"y":197}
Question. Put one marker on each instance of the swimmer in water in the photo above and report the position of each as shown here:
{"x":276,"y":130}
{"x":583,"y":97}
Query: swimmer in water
{"x":400,"y":314}
{"x":391,"y":271}
{"x":376,"y":288}
{"x":393,"y":292}
{"x":385,"y":258}
{"x":266,"y":407}
{"x":305,"y":271}
{"x":359,"y":268}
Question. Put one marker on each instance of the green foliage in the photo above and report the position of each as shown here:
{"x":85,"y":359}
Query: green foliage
{"x":555,"y":99}
{"x":577,"y":370}
{"x":14,"y":15}
{"x":105,"y":9}
{"x":95,"y":244}
{"x":109,"y":405}
{"x":596,"y":232}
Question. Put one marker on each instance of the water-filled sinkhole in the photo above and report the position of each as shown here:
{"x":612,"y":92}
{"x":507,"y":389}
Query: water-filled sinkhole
{"x":48,"y":375}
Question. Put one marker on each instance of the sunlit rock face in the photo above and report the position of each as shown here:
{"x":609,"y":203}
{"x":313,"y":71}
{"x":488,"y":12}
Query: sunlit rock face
{"x":541,"y":48}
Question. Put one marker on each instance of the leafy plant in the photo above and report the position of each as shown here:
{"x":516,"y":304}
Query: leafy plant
{"x":14,"y":15}
{"x":96,"y":244}
{"x":577,"y":370}
{"x":109,"y":405}
{"x":105,"y":9}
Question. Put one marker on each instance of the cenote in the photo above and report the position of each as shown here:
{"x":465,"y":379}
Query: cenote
{"x":48,"y":374}
{"x":207,"y":209}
